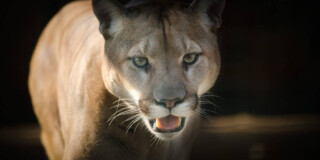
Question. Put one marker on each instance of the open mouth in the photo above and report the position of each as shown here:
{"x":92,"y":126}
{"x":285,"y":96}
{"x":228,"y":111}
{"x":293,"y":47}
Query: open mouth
{"x":167,"y":124}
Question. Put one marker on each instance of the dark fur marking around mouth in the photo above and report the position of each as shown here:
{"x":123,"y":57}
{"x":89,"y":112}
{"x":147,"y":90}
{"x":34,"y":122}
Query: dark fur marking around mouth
{"x":196,"y":103}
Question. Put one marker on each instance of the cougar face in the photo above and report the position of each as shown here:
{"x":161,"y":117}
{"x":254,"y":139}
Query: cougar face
{"x":159,"y":62}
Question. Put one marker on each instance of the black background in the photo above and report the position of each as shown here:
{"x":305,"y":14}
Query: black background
{"x":269,"y":51}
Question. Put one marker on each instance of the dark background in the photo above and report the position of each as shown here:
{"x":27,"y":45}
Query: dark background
{"x":270,"y":54}
{"x":269,"y":51}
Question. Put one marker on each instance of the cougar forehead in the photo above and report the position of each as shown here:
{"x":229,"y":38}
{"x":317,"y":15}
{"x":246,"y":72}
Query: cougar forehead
{"x":132,"y":30}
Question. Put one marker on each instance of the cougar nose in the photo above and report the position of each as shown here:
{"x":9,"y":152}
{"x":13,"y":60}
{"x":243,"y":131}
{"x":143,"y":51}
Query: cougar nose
{"x":169,"y":103}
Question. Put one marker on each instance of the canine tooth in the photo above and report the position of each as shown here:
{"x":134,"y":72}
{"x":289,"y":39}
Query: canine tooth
{"x":179,"y":122}
{"x":158,"y":125}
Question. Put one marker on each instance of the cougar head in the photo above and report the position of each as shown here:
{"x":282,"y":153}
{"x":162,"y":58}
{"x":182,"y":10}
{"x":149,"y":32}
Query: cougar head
{"x":160,"y":57}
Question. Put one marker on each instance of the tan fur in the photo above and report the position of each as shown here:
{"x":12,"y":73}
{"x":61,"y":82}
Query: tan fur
{"x":73,"y":83}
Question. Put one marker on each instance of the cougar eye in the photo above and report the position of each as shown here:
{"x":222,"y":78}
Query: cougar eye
{"x":190,"y":58}
{"x":140,"y":62}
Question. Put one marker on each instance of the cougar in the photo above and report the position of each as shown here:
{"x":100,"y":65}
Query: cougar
{"x":124,"y":80}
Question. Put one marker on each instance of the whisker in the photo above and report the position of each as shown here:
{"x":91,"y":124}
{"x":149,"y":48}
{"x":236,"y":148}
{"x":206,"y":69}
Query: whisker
{"x":128,"y":112}
{"x":138,"y":125}
{"x":118,"y":105}
{"x":130,"y":118}
{"x":196,"y":115}
{"x":210,"y":103}
{"x":155,"y":141}
{"x":210,"y":94}
{"x":202,"y":112}
{"x":124,"y":100}
{"x":205,"y":96}
{"x":116,"y":114}
{"x":132,"y":123}
{"x":207,"y":110}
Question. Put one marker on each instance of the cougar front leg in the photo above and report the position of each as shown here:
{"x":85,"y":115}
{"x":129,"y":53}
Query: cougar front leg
{"x":80,"y":135}
{"x":53,"y":144}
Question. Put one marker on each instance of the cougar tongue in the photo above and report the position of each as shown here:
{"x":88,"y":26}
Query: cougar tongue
{"x":168,"y":123}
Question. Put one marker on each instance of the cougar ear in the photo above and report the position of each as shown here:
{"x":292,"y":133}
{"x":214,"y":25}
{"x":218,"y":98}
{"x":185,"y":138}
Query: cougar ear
{"x":110,"y":14}
{"x":210,"y":12}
